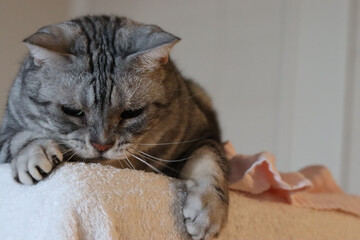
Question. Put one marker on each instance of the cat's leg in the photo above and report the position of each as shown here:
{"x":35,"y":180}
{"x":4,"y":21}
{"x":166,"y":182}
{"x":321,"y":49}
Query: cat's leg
{"x":32,"y":156}
{"x":206,"y":205}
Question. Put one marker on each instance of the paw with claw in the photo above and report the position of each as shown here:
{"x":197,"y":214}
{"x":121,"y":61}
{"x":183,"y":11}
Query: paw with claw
{"x":34,"y":162}
{"x":205,"y":210}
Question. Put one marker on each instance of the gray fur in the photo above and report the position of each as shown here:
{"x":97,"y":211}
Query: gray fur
{"x":105,"y":65}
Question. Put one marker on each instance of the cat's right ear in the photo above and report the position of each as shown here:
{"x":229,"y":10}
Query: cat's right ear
{"x":51,"y":44}
{"x":151,"y":45}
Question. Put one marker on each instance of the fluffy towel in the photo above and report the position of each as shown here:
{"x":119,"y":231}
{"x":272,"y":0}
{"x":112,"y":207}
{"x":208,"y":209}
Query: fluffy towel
{"x":92,"y":201}
{"x":312,"y":186}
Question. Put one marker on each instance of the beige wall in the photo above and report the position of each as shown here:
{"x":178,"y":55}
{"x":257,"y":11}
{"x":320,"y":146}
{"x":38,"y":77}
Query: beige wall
{"x":284,"y":74}
{"x":19,"y":19}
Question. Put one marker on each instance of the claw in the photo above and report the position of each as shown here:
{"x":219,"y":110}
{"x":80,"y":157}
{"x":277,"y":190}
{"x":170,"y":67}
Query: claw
{"x":204,"y":212}
{"x":55,"y":160}
{"x":42,"y":173}
{"x":36,"y":161}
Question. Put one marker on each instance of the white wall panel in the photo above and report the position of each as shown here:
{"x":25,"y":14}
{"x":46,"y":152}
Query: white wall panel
{"x":320,"y":85}
{"x":351,"y":147}
{"x":288,"y":77}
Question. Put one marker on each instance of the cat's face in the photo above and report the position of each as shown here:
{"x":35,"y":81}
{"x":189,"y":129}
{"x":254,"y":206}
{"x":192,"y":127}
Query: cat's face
{"x":114,"y":113}
{"x":103,"y":96}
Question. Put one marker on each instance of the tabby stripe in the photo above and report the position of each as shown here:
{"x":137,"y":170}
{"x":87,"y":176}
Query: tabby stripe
{"x":79,"y":140}
{"x":39,"y":122}
{"x":5,"y":153}
{"x":112,"y":34}
{"x":117,"y":23}
{"x":107,"y":34}
{"x":34,"y":118}
{"x":162,"y":105}
{"x":88,"y":41}
{"x":110,"y":92}
{"x":106,"y":18}
{"x":98,"y":81}
{"x":8,"y":153}
{"x":25,"y":144}
{"x":106,"y":81}
{"x":221,"y":194}
{"x":96,"y":101}
{"x":37,"y":102}
{"x":13,"y":114}
{"x":93,"y":30}
{"x":105,"y":29}
{"x":136,"y":128}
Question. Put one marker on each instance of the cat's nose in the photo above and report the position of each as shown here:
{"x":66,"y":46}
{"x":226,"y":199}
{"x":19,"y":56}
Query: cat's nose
{"x":100,"y":147}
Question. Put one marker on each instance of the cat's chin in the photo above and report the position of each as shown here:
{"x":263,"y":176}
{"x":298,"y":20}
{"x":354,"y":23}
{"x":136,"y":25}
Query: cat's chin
{"x":101,"y":160}
{"x":105,"y":161}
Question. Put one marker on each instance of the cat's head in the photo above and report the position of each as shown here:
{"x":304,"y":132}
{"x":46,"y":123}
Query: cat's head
{"x":99,"y":82}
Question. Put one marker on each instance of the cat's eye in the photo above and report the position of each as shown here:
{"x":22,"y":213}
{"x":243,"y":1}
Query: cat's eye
{"x":72,"y":111}
{"x":132,"y":113}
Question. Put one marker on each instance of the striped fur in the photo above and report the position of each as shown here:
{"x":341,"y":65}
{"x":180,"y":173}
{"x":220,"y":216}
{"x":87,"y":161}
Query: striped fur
{"x":105,"y":66}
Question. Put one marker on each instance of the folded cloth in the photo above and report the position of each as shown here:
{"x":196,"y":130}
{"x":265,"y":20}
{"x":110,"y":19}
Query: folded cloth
{"x":312,"y":186}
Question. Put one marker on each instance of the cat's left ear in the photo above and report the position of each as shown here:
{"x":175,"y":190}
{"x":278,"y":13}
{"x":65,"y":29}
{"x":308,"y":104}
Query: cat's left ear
{"x":152,"y":45}
{"x":51,"y":44}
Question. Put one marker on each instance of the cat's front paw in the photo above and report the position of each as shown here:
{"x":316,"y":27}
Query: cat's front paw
{"x":205,"y":211}
{"x":35,"y":161}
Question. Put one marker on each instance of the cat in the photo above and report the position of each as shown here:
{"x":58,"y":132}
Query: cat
{"x":103,"y":89}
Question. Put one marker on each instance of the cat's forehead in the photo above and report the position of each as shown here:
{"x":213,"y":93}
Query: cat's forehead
{"x":118,"y":93}
{"x":120,"y":36}
{"x":101,"y":60}
{"x":100,"y":33}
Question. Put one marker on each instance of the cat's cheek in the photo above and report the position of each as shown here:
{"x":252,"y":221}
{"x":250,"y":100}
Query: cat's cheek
{"x":111,"y":154}
{"x":87,"y":152}
{"x":114,"y":153}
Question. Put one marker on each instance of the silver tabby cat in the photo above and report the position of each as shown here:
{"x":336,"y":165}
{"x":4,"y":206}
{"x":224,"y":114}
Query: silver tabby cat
{"x":102,"y":89}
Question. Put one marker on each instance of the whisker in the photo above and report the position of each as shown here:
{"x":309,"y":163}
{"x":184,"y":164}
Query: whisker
{"x":159,"y":159}
{"x":170,"y":143}
{"x":63,"y":144}
{"x":143,"y":161}
{"x":71,"y":157}
{"x":68,"y":150}
{"x":163,"y":164}
{"x":130,"y":162}
{"x":121,"y":163}
{"x":119,"y":160}
{"x":127,"y":164}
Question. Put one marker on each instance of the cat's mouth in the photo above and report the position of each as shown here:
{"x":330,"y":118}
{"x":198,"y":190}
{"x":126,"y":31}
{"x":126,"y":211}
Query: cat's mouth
{"x":91,"y":155}
{"x":98,"y":158}
{"x":95,"y":159}
{"x":77,"y":157}
{"x":106,"y":161}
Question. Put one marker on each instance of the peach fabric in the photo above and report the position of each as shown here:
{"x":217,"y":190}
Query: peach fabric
{"x":312,"y":187}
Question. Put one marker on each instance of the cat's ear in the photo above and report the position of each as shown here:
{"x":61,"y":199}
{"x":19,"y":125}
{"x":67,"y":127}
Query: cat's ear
{"x":51,"y":43}
{"x":151,"y":44}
